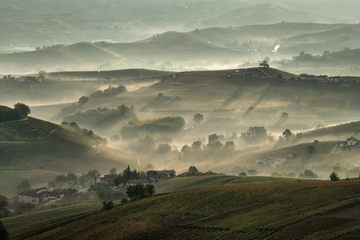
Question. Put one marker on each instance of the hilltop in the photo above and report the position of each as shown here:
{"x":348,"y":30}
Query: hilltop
{"x":319,"y":209}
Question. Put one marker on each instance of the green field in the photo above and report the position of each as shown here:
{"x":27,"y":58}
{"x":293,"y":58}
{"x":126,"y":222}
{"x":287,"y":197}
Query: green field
{"x":28,"y":224}
{"x":281,"y":210}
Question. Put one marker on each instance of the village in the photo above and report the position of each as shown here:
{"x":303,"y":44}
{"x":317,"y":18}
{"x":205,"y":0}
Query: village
{"x":28,"y":199}
{"x":121,"y":182}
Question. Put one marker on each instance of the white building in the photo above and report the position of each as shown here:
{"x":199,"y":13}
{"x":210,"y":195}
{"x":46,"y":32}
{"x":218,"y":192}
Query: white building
{"x":34,"y":196}
{"x":352,"y":141}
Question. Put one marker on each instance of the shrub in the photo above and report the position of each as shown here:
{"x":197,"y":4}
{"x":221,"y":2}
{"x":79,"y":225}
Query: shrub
{"x":107,"y":205}
{"x":334,"y":177}
{"x":4,"y":235}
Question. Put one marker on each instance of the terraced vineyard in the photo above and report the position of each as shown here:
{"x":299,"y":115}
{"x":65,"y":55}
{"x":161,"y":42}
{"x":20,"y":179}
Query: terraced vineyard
{"x":294,"y":210}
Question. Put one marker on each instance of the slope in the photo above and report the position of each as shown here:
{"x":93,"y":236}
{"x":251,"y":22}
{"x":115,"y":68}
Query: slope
{"x":38,"y":150}
{"x":274,"y":211}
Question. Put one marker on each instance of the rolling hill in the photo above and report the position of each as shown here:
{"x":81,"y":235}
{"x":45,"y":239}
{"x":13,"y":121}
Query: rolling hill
{"x":201,"y":48}
{"x":318,"y":209}
{"x":39,"y":150}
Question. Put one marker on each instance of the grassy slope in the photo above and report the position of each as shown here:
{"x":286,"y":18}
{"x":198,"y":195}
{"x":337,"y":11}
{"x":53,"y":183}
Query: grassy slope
{"x":38,"y":150}
{"x":47,"y":219}
{"x":234,"y":211}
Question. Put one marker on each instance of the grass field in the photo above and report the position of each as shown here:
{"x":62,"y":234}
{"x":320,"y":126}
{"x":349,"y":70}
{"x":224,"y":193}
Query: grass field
{"x":282,"y":210}
{"x":29,"y":224}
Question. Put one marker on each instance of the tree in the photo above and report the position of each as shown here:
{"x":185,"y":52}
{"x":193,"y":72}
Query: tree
{"x":149,"y":190}
{"x":140,"y":191}
{"x":4,"y":235}
{"x":213,"y":138}
{"x":242,"y":174}
{"x":196,"y":146}
{"x":287,"y":134}
{"x":311,"y":149}
{"x":28,"y":207}
{"x":113,"y":171}
{"x":230,"y":146}
{"x":118,"y":180}
{"x":255,"y":135}
{"x":22,"y":109}
{"x":23,"y":186}
{"x":193,"y":170}
{"x":128,"y":174}
{"x":3,"y":202}
{"x":198,"y":118}
{"x":83,"y":100}
{"x":72,"y":180}
{"x":284,"y":115}
{"x":308,"y":174}
{"x":334,"y":177}
{"x":164,"y":148}
{"x":107,"y":205}
{"x":60,"y":181}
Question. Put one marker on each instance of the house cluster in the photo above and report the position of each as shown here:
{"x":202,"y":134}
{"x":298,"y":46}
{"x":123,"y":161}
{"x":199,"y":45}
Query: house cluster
{"x":352,"y":142}
{"x":28,"y":79}
{"x":34,"y":196}
{"x":330,"y":79}
{"x":151,"y":177}
{"x":246,"y":73}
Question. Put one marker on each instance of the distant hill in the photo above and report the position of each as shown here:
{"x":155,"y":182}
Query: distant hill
{"x":272,"y":210}
{"x":261,"y":14}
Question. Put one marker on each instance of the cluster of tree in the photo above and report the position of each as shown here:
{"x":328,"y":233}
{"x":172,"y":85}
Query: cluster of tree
{"x":140,"y":191}
{"x":84,"y":131}
{"x":53,"y":47}
{"x":20,"y":111}
{"x":334,"y":177}
{"x":23,"y":186}
{"x":256,"y":135}
{"x":110,"y":91}
{"x":165,"y":125}
{"x":162,"y":97}
{"x":105,"y":192}
{"x":193,"y":171}
{"x":102,"y":117}
{"x":127,"y":175}
{"x":3,"y":203}
{"x":8,"y":77}
{"x":198,"y":118}
{"x":251,"y":172}
{"x":72,"y":181}
{"x":3,"y":232}
{"x":214,"y":148}
{"x":148,"y":145}
{"x":61,"y":181}
{"x":308,"y":174}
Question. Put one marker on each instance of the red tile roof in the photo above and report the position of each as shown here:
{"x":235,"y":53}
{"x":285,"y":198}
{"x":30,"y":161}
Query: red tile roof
{"x":33,"y":192}
{"x":14,"y":207}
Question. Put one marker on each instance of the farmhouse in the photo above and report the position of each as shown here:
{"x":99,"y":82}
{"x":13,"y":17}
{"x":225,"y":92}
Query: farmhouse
{"x":13,"y":207}
{"x":34,"y":196}
{"x":108,"y":178}
{"x":160,"y":174}
{"x":134,"y":182}
{"x":30,"y":79}
{"x":352,"y":142}
{"x":247,"y":73}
